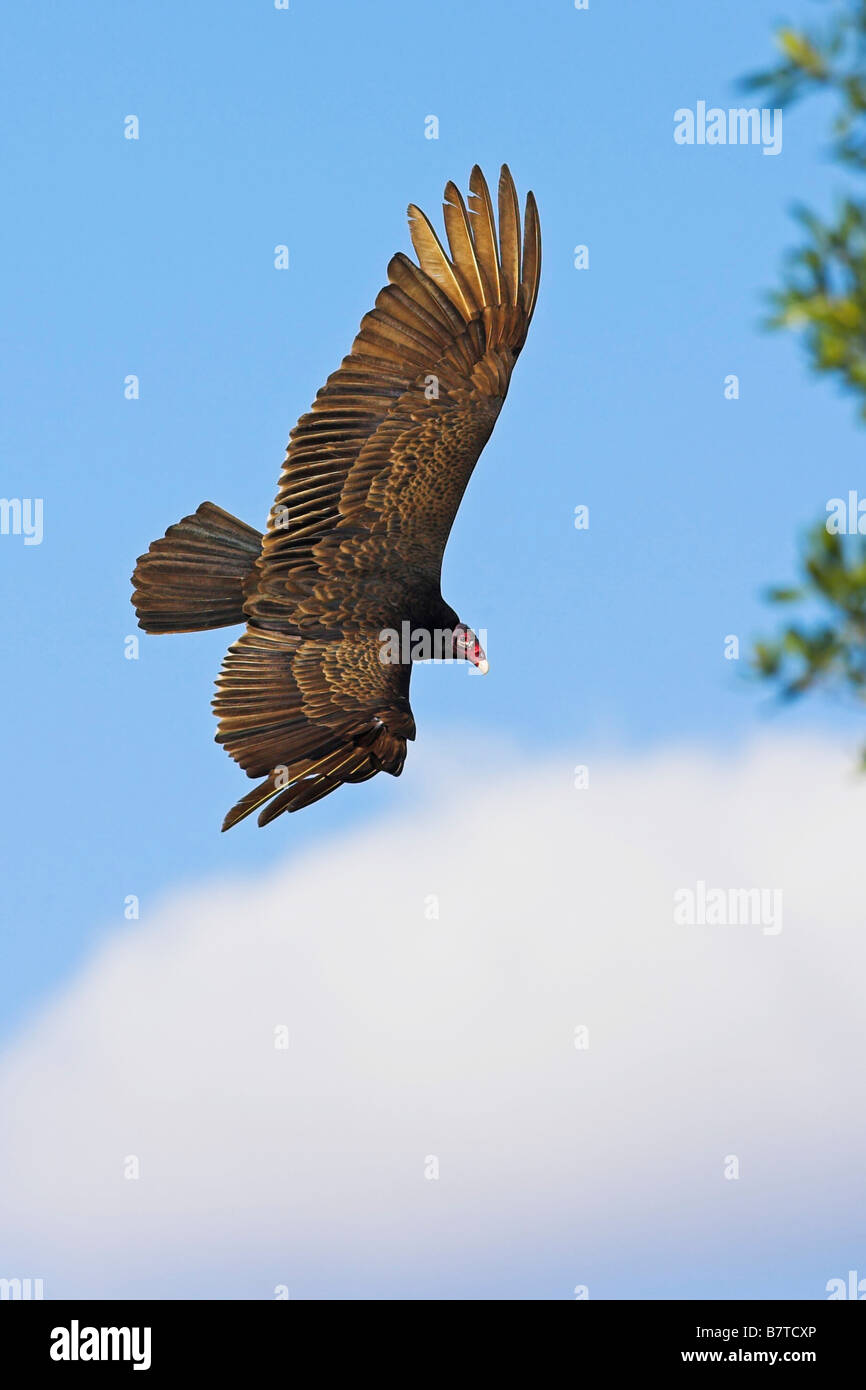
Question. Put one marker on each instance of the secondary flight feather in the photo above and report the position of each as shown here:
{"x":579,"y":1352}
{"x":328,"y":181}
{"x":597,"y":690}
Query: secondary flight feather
{"x":311,"y":695}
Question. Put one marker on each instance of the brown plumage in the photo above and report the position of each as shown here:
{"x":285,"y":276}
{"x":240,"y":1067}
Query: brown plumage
{"x":371,"y":484}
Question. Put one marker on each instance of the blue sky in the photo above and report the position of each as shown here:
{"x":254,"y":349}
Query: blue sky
{"x":155,"y":257}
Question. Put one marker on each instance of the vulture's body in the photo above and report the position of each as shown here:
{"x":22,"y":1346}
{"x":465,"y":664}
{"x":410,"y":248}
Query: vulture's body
{"x":371,"y":484}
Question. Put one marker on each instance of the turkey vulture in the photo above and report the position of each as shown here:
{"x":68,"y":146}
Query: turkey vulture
{"x":308,"y":697}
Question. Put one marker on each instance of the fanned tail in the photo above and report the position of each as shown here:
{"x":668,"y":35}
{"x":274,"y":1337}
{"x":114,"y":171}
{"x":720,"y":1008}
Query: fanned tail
{"x":193,"y":578}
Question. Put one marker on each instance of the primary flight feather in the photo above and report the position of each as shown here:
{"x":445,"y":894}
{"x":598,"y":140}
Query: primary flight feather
{"x":310,"y":696}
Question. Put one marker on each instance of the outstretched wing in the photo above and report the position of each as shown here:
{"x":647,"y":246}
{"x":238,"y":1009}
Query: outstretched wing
{"x":371,"y":484}
{"x":375,"y":471}
{"x":311,"y":713}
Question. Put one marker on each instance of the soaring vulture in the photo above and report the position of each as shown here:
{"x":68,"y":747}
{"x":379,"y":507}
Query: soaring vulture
{"x":313,"y":693}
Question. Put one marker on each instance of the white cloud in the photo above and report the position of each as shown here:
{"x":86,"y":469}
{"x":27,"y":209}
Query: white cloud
{"x":454,"y":1037}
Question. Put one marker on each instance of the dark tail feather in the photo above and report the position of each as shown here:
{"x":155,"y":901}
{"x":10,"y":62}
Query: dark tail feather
{"x":193,"y":579}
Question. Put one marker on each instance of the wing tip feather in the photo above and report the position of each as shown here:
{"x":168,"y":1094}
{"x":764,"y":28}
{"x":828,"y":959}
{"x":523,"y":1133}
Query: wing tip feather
{"x":489,"y":266}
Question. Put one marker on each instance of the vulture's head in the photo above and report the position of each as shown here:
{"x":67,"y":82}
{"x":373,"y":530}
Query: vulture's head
{"x":466,"y":647}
